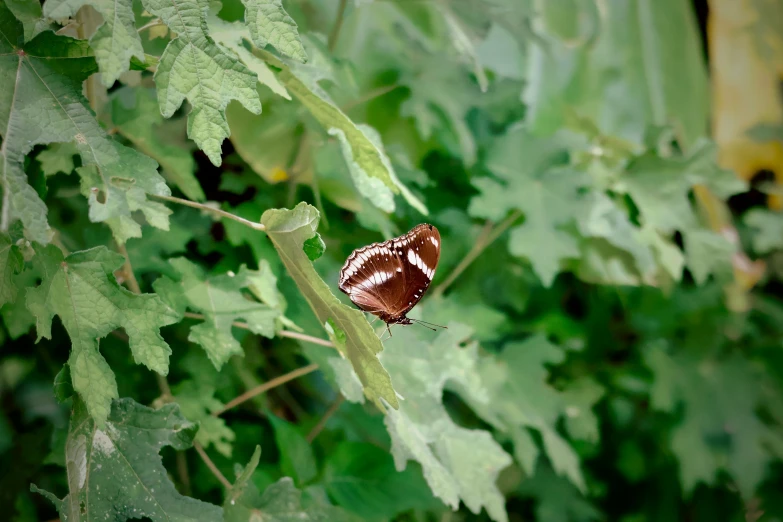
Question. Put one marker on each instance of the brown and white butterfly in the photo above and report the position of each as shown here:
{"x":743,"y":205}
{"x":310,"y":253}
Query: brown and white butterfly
{"x":387,"y":279}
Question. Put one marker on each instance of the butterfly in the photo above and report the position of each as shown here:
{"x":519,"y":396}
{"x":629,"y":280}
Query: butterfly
{"x":387,"y":279}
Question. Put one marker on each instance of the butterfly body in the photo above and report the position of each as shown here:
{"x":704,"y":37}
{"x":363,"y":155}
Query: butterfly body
{"x":387,"y":279}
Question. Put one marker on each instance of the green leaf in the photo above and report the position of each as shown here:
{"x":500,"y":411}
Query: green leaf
{"x":179,"y":75}
{"x":557,"y":499}
{"x":220,"y":299}
{"x":136,"y":115}
{"x":11,"y":263}
{"x":115,"y":469}
{"x":458,"y":463}
{"x":520,"y":398}
{"x":297,"y":457}
{"x":81,"y":289}
{"x":270,"y":24}
{"x":768,"y":230}
{"x":314,"y":247}
{"x":548,"y":195}
{"x":31,"y":16}
{"x":63,"y":387}
{"x":361,"y":144}
{"x":288,"y":230}
{"x":720,"y":429}
{"x":115,"y":41}
{"x":281,"y":502}
{"x":361,"y":478}
{"x":44,"y":105}
{"x":197,"y":402}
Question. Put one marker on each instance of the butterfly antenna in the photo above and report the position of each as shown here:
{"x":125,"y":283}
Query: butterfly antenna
{"x":429,"y":325}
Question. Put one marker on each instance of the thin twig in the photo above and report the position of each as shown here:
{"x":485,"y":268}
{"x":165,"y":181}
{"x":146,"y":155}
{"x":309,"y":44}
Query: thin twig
{"x":153,"y":23}
{"x":281,"y":333}
{"x":277,"y":381}
{"x":338,"y":24}
{"x":207,"y":208}
{"x":211,"y":465}
{"x":322,"y":423}
{"x":486,"y":237}
{"x":127,"y":270}
{"x":183,"y":473}
{"x":375,"y":93}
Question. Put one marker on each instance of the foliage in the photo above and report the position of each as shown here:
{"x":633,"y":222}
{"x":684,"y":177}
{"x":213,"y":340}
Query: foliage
{"x":174,"y":346}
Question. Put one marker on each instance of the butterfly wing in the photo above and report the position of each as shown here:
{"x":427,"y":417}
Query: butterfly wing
{"x":420,"y":256}
{"x":387,"y":279}
{"x":371,"y":277}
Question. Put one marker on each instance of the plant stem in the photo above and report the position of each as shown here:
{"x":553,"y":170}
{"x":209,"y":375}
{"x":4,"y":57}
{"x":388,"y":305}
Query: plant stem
{"x":127,"y":270}
{"x":486,"y":237}
{"x":281,"y":333}
{"x":211,"y":465}
{"x":207,"y":208}
{"x":277,"y":381}
{"x":338,"y":24}
{"x":183,"y":473}
{"x":375,"y":93}
{"x":322,"y":423}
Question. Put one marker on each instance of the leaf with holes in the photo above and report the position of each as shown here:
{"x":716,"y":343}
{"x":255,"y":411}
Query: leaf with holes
{"x":43,"y":82}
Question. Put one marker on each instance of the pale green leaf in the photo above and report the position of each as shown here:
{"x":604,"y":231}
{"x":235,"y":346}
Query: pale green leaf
{"x":522,"y":399}
{"x":136,"y":116}
{"x":114,"y":42}
{"x":768,"y":230}
{"x":547,"y":194}
{"x":58,"y":157}
{"x":115,"y":471}
{"x":181,"y":75}
{"x":82,"y":291}
{"x":458,"y":463}
{"x":708,"y":252}
{"x":219,"y":298}
{"x":361,"y":145}
{"x":270,"y":24}
{"x":42,"y":103}
{"x":288,"y":230}
{"x":233,"y":36}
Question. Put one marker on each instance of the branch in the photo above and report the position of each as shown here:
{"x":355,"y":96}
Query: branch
{"x":322,"y":423}
{"x":211,"y":465}
{"x":207,"y":208}
{"x":338,"y":24}
{"x":258,"y":390}
{"x":153,"y":23}
{"x":281,"y":333}
{"x":486,"y":237}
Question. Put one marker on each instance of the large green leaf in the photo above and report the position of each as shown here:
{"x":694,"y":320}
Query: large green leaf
{"x":115,"y":471}
{"x":289,"y":229}
{"x":115,"y":41}
{"x":41,"y":103}
{"x":11,"y":263}
{"x":181,"y":74}
{"x":82,"y":291}
{"x":458,"y":463}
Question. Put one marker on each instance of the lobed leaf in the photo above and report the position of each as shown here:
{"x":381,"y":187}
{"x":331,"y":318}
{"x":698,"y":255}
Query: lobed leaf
{"x":193,"y":67}
{"x":270,"y":24}
{"x":82,"y":291}
{"x":219,"y":298}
